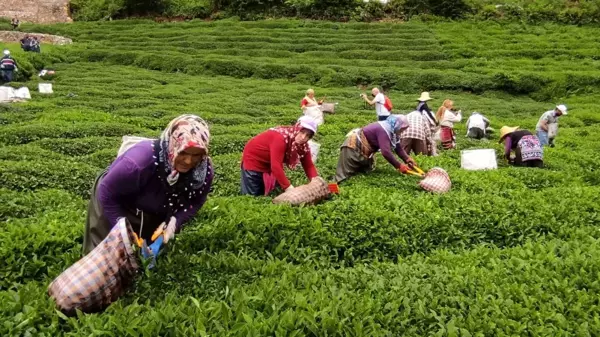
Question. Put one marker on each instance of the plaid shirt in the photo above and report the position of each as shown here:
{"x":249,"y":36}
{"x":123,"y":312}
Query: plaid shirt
{"x":419,"y":127}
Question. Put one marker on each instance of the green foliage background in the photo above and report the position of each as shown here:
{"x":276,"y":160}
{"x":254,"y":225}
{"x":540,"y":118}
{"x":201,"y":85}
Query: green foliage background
{"x":507,"y":252}
{"x":565,"y":11}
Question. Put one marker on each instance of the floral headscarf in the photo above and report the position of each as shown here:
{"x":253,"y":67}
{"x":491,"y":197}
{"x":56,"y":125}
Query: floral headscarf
{"x":393,"y":124}
{"x":182,"y":133}
{"x":293,"y":151}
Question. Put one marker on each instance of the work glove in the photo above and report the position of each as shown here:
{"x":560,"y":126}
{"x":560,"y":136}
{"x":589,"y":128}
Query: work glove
{"x":169,"y":232}
{"x":403,"y":168}
{"x":411,"y":162}
{"x":289,"y":188}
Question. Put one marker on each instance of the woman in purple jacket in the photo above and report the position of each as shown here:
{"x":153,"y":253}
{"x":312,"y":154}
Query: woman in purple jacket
{"x":361,"y":144}
{"x":155,"y":182}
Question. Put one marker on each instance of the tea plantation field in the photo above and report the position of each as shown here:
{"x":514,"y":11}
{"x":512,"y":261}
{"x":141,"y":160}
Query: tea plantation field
{"x":509,"y":252}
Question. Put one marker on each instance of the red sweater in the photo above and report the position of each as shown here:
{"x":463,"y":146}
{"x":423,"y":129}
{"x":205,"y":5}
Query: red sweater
{"x":265,"y":153}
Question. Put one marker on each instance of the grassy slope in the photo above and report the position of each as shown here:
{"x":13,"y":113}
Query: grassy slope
{"x":508,"y":252}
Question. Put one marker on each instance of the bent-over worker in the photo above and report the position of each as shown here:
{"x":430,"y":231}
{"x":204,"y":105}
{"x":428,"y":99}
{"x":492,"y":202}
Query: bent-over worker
{"x":8,"y":66}
{"x":527,"y":147}
{"x":476,"y":125}
{"x":264,"y":157}
{"x":418,"y":136}
{"x":154,"y":182}
{"x":356,"y":153}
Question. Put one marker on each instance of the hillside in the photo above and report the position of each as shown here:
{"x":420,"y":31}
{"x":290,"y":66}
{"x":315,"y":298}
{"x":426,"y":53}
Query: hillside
{"x":512,"y":251}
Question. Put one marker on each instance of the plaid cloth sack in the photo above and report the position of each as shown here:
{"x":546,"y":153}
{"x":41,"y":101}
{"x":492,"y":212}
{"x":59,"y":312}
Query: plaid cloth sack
{"x":99,"y":278}
{"x":310,"y":193}
{"x":436,"y":181}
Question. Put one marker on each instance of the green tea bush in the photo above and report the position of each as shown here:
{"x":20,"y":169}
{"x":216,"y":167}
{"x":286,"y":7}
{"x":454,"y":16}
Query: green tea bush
{"x":511,"y":251}
{"x":79,"y":146}
{"x":101,"y":159}
{"x":62,"y":174}
{"x":31,"y":132}
{"x":16,"y":204}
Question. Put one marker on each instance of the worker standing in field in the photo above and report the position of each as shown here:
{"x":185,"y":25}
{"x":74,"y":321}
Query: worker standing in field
{"x":153,"y":183}
{"x":310,"y":107}
{"x":265,"y":155}
{"x":477,"y":125}
{"x":8,"y":66}
{"x":527,"y":147}
{"x":446,"y":117}
{"x":309,"y":100}
{"x":15,"y":23}
{"x":383,"y":105}
{"x":432,"y":123}
{"x":423,"y":107}
{"x":547,"y":126}
{"x":356,"y":153}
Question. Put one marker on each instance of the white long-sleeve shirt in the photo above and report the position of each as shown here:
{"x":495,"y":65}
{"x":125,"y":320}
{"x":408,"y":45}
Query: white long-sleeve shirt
{"x":450,"y":118}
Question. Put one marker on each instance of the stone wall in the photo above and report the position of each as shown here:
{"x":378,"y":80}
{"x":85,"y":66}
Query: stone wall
{"x":37,"y":11}
{"x":11,"y":36}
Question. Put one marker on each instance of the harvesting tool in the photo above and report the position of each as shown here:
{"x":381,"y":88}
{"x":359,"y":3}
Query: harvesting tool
{"x":137,"y":240}
{"x":151,"y":251}
{"x":416,"y":171}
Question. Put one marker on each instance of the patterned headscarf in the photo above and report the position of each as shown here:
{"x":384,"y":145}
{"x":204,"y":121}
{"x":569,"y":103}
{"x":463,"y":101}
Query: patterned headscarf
{"x":182,"y":133}
{"x":394,"y":124}
{"x":293,"y":151}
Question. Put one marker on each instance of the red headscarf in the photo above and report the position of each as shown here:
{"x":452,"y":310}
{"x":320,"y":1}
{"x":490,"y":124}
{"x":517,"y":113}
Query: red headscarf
{"x":293,"y":151}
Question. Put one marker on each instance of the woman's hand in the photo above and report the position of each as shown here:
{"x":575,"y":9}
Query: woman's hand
{"x":411,"y":162}
{"x":403,"y":169}
{"x":170,"y":231}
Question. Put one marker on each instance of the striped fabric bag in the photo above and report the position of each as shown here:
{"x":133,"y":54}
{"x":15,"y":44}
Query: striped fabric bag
{"x":99,"y":278}
{"x":310,"y":193}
